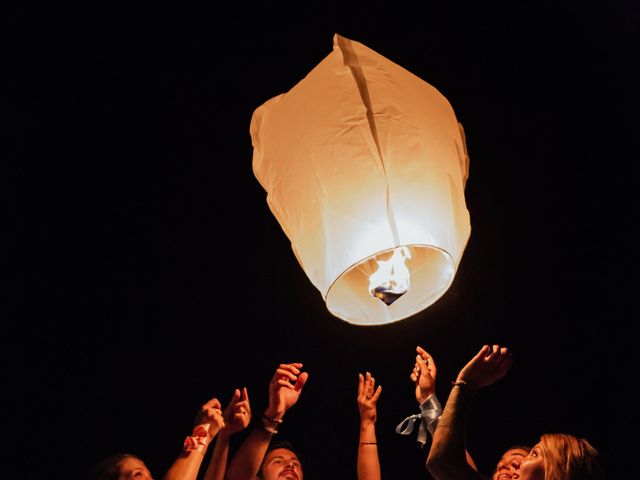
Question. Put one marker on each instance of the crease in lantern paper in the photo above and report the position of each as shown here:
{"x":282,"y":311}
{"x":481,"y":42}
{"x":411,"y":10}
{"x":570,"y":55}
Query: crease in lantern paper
{"x":352,"y":62}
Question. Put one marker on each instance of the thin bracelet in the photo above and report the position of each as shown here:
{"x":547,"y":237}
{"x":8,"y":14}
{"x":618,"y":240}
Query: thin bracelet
{"x":267,"y":431}
{"x":272,"y":420}
{"x":368,"y":443}
{"x":459,"y":383}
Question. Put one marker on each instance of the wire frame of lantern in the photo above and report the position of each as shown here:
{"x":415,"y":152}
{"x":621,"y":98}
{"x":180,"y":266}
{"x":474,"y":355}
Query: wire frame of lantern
{"x":365,"y":165}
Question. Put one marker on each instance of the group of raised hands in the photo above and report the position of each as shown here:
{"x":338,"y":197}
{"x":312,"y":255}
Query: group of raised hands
{"x":285,"y":388}
{"x":211,"y":421}
{"x":260,"y":457}
{"x":286,"y":385}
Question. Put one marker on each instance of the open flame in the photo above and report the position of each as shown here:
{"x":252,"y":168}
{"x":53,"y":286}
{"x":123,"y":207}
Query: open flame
{"x":391,"y":280}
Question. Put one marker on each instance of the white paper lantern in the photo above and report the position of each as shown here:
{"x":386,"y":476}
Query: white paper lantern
{"x":359,"y":160}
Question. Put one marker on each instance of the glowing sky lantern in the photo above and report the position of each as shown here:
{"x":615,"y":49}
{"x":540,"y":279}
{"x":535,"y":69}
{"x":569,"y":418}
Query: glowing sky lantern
{"x":364,"y":165}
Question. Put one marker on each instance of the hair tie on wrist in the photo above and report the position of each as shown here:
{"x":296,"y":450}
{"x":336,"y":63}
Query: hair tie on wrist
{"x":198,"y":439}
{"x":464,"y":385}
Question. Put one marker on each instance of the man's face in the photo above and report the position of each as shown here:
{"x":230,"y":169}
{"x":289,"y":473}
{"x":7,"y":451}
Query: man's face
{"x":281,"y":463}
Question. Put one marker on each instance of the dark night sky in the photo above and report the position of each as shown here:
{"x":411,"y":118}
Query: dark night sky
{"x":150,"y":274}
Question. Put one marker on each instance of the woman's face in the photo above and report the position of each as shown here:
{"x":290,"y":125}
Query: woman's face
{"x":133,"y":469}
{"x":508,"y":467}
{"x":532,"y":466}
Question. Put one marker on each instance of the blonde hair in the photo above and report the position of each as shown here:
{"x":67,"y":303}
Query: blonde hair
{"x":569,"y":458}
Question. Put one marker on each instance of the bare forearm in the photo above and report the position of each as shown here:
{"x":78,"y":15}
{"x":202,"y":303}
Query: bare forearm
{"x":368,"y":461}
{"x":447,"y":455}
{"x":186,"y":466}
{"x":217,"y":467}
{"x":449,"y":437}
{"x":247,"y":460}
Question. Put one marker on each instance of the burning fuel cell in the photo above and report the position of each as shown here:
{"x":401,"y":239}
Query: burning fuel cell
{"x":392,"y":279}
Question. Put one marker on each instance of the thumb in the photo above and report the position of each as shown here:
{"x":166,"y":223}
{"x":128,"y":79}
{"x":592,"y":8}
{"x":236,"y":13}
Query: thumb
{"x":302,"y":379}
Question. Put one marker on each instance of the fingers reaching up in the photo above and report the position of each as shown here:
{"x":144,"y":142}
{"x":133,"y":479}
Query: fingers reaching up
{"x":368,"y":396}
{"x":424,"y":375}
{"x":487,"y":366}
{"x":285,"y":388}
{"x":237,"y":413}
{"x":211,"y":413}
{"x":367,"y":391}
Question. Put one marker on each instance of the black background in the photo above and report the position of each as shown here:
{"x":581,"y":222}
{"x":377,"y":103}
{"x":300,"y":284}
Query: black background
{"x":149,"y":274}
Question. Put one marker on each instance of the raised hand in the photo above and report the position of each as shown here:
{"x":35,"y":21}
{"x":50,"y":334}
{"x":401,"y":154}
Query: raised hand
{"x":210,"y":414}
{"x":237,"y":413}
{"x":285,"y":389}
{"x":367,"y":397}
{"x":486,"y":367}
{"x":424,"y":375}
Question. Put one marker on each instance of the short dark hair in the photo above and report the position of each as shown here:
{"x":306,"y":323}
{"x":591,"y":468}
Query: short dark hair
{"x":279,"y":444}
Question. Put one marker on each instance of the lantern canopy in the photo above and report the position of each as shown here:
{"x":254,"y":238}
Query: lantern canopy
{"x":364,"y":165}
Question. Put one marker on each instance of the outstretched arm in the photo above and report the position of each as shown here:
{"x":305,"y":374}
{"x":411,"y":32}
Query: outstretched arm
{"x":448,"y":457}
{"x":368,"y":461}
{"x":207,"y":424}
{"x":237,"y":415}
{"x":423,"y":376}
{"x":284,"y":391}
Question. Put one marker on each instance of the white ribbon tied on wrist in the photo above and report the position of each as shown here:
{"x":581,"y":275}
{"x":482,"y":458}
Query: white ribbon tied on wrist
{"x":430,"y":412}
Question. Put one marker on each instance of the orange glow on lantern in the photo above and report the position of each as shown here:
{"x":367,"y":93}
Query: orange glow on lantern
{"x":364,"y":165}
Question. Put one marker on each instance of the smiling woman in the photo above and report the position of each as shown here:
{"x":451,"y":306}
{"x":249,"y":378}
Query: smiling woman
{"x":560,"y":456}
{"x":509,"y":464}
